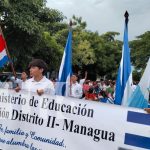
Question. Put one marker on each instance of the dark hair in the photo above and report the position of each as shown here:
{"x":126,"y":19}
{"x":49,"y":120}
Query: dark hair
{"x":38,"y":63}
{"x":26,"y":71}
{"x":74,"y":74}
{"x":91,"y":89}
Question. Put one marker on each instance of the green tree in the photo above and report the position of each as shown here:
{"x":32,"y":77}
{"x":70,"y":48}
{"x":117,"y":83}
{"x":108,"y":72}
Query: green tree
{"x":98,"y":54}
{"x":24,"y":24}
{"x":50,"y":51}
{"x":140,"y":51}
{"x":108,"y":53}
{"x":83,"y":53}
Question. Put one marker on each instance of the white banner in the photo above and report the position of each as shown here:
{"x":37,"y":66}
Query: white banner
{"x":32,"y":122}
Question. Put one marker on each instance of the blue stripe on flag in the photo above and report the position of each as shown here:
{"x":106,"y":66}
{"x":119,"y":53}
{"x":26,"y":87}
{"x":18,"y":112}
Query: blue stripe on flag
{"x":118,"y":95}
{"x":65,"y":71}
{"x":3,"y":61}
{"x":136,"y":140}
{"x":139,"y":118}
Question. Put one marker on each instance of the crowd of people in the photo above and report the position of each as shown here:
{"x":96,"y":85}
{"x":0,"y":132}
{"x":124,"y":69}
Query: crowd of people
{"x":103,"y":90}
{"x":34,"y":80}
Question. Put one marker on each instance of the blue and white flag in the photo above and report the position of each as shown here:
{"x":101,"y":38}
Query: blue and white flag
{"x":124,"y":78}
{"x":65,"y":71}
{"x":140,"y":96}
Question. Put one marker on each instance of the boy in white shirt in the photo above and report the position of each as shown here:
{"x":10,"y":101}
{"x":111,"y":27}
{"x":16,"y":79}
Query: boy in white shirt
{"x":76,"y":89}
{"x":38,"y":83}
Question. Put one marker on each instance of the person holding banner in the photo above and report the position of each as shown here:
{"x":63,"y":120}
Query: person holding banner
{"x":38,"y":82}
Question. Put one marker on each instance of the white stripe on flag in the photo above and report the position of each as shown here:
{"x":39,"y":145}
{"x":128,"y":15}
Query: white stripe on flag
{"x":128,"y":90}
{"x":68,"y":90}
{"x":140,"y":96}
{"x":62,"y":65}
{"x":3,"y":54}
{"x":145,"y":81}
{"x":121,"y":66}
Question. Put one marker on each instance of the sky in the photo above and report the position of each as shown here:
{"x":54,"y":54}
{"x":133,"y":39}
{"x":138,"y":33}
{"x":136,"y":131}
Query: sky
{"x":108,"y":15}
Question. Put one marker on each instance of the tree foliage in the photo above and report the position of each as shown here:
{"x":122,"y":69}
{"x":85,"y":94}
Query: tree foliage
{"x":24,"y":24}
{"x":34,"y":31}
{"x":98,"y":54}
{"x":140,"y":51}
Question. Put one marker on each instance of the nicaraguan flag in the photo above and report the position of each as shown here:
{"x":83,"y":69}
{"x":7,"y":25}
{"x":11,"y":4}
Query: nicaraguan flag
{"x":140,"y":96}
{"x":3,"y":55}
{"x":65,"y":71}
{"x":124,"y":78}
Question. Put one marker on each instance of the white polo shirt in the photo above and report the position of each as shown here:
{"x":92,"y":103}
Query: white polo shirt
{"x":45,"y":84}
{"x":76,"y":90}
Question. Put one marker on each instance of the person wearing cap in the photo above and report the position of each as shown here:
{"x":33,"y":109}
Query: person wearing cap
{"x":38,"y":82}
{"x":76,"y":89}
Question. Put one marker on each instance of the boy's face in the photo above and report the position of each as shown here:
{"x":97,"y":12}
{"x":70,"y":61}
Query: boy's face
{"x":23,"y":75}
{"x":35,"y":71}
{"x":73,"y":78}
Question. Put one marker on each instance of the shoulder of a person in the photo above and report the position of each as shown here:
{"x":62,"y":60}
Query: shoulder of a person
{"x":18,"y":80}
{"x":29,"y":80}
{"x":47,"y":80}
{"x":78,"y":85}
{"x":50,"y":82}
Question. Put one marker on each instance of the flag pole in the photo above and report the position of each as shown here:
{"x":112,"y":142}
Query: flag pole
{"x":126,"y":15}
{"x":70,"y":30}
{"x":70,"y":25}
{"x":7,"y":52}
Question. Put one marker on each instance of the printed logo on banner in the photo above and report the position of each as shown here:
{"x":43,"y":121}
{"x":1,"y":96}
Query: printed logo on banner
{"x":138,"y":140}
